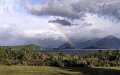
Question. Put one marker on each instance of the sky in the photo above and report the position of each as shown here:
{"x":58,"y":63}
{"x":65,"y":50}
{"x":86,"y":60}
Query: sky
{"x":43,"y":22}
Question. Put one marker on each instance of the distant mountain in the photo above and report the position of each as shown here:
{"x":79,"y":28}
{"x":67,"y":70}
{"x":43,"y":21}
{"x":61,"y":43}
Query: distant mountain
{"x":108,"y":42}
{"x":86,"y":44}
{"x":66,"y":46}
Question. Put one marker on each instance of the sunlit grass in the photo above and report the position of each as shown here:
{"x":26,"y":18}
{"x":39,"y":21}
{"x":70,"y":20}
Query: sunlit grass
{"x":45,"y":70}
{"x":35,"y":70}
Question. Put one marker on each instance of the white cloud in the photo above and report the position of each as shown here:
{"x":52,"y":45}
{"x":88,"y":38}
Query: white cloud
{"x":19,"y":28}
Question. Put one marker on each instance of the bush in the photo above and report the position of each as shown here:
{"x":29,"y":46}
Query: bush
{"x":28,"y":57}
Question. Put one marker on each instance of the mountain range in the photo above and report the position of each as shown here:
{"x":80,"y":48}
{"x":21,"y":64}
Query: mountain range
{"x":108,"y":42}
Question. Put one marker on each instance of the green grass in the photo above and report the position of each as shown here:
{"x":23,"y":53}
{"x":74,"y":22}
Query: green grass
{"x":44,"y":70}
{"x":34,"y":70}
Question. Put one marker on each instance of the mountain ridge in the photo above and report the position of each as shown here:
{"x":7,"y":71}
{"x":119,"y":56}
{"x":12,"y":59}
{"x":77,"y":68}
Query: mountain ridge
{"x":108,"y":42}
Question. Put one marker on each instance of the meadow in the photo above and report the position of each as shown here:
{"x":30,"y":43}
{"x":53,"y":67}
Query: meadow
{"x":45,"y":70}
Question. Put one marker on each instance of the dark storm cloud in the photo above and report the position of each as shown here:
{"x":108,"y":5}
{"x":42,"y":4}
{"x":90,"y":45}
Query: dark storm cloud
{"x":111,"y":9}
{"x":75,"y":9}
{"x":63,"y":22}
{"x":60,"y":8}
{"x":106,"y":8}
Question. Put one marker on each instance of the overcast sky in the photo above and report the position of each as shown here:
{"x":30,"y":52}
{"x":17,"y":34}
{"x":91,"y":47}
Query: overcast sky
{"x":44,"y":22}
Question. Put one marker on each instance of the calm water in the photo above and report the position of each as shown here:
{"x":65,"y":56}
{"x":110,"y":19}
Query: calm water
{"x":71,"y":52}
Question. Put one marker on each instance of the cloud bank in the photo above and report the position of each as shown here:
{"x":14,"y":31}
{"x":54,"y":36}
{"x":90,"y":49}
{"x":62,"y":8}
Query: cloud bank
{"x":96,"y":16}
{"x":77,"y":8}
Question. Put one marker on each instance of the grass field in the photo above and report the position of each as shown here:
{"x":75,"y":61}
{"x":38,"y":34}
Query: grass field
{"x":35,"y":70}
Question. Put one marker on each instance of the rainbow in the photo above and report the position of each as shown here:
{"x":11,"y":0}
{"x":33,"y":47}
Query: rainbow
{"x":63,"y":33}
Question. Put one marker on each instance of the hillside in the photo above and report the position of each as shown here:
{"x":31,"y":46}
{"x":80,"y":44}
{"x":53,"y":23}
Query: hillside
{"x":66,"y":46}
{"x":29,"y":47}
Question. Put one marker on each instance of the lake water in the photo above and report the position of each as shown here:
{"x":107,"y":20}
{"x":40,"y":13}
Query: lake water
{"x":71,"y":52}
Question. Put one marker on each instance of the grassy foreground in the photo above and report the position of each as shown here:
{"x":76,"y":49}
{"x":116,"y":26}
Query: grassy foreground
{"x":43,"y":70}
{"x":34,"y":70}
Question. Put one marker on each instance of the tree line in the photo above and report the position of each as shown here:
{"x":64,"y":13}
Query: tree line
{"x":28,"y":57}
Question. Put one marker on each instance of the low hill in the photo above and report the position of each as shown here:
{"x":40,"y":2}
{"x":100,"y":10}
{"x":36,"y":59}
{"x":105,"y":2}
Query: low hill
{"x":29,"y":47}
{"x":66,"y":46}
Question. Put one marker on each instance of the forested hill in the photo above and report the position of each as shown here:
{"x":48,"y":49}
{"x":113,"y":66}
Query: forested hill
{"x":29,"y":47}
